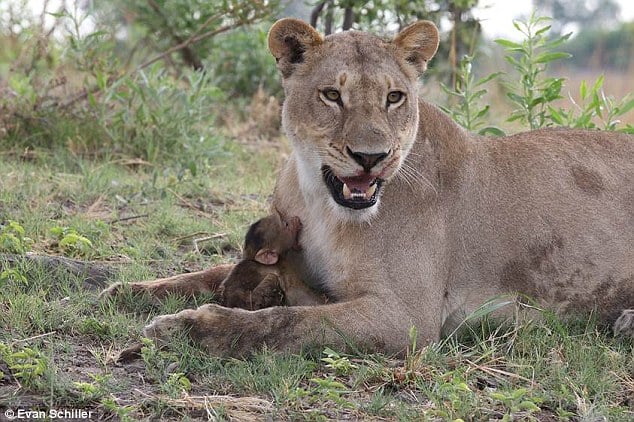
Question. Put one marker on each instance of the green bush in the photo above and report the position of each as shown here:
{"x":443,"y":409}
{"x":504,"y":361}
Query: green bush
{"x":240,"y":63}
{"x":102,"y":95}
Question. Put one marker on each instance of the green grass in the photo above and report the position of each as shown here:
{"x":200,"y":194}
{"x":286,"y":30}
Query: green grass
{"x":57,"y":340}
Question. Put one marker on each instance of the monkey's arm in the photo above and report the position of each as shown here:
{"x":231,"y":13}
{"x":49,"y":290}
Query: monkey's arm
{"x":205,"y":281}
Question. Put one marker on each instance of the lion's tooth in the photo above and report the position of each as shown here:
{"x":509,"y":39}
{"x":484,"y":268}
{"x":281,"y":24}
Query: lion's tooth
{"x":347,"y":194}
{"x":370,"y":191}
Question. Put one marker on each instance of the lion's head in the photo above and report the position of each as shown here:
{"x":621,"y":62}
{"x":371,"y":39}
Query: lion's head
{"x":351,"y":108}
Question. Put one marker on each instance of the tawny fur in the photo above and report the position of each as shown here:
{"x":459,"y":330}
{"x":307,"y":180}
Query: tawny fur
{"x":461,"y":219}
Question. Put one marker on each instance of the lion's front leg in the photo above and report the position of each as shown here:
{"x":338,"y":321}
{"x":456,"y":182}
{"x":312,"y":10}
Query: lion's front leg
{"x":223,"y":331}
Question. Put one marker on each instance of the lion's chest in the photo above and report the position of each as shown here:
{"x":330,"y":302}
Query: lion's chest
{"x":340,"y":259}
{"x":320,"y":254}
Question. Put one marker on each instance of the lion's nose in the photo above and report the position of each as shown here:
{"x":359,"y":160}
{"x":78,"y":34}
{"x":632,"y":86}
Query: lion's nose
{"x":367,"y":161}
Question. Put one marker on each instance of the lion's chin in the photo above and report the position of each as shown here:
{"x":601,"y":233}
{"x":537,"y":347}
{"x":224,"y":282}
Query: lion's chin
{"x":355,"y":193}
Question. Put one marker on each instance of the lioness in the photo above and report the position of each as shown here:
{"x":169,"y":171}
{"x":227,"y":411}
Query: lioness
{"x":410,"y":220}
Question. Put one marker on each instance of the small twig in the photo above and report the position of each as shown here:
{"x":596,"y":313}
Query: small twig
{"x":86,"y":92}
{"x":497,"y":373}
{"x":192,"y":40}
{"x":188,"y":236}
{"x":33,"y":338}
{"x":132,"y":217}
{"x":203,"y":239}
{"x":95,"y":204}
{"x":183,"y":201}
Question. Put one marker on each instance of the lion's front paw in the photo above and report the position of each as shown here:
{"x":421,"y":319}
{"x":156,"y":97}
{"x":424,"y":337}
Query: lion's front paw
{"x":624,"y":325}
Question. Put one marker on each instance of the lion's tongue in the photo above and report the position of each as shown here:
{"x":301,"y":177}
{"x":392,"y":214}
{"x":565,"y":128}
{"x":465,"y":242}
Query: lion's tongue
{"x":359,"y":187}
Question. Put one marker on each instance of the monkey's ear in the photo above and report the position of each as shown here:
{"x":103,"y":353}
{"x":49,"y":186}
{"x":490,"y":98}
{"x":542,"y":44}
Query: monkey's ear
{"x":418,"y":44}
{"x":289,"y":39}
{"x":267,"y":256}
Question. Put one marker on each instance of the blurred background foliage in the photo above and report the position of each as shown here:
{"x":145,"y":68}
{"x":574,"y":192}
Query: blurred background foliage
{"x":157,"y":80}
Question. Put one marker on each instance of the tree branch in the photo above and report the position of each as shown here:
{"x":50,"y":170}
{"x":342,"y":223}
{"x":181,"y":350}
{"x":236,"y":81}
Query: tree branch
{"x":194,"y":38}
{"x":189,"y":56}
{"x":314,"y":14}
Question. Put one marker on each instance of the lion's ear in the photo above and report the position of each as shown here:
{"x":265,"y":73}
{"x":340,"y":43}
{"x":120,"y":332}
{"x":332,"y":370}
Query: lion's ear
{"x":289,"y":39}
{"x":418,"y":43}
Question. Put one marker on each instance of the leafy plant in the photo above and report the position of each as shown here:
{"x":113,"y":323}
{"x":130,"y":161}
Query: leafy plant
{"x":158,"y":363}
{"x":13,"y":239}
{"x":536,"y":92}
{"x":123,"y":412}
{"x":467,"y":93}
{"x":71,"y":243}
{"x":330,"y":389}
{"x":518,"y":400}
{"x":26,"y":364}
{"x":453,"y":396}
{"x":340,"y":364}
{"x":238,"y":74}
{"x":99,"y":329}
{"x":594,"y":105}
{"x":93,"y":100}
{"x":530,"y":58}
{"x":91,"y":391}
{"x":12,"y":275}
{"x":175,"y":384}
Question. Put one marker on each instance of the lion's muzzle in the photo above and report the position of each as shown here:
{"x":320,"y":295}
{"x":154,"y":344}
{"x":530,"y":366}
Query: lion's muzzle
{"x":356,"y":192}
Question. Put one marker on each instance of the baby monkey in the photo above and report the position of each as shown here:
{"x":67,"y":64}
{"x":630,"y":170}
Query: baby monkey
{"x":267,"y":274}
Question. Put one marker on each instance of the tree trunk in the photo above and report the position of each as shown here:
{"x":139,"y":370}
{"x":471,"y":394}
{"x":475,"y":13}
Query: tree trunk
{"x":329,"y":19}
{"x":314,"y":14}
{"x":348,"y":18}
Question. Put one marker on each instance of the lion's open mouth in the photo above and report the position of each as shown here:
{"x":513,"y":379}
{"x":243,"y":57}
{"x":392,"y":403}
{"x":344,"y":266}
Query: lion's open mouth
{"x":356,"y":192}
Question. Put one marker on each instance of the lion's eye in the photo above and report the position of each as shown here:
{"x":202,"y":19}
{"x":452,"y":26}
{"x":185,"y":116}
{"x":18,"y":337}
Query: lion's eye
{"x":332,"y":94}
{"x":394,"y":97}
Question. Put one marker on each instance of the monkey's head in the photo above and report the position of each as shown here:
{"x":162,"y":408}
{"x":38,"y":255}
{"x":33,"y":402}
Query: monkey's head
{"x":270,"y":237}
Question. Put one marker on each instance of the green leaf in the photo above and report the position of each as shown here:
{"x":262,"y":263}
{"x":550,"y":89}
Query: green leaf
{"x":626,"y":107}
{"x":551,"y":56}
{"x":515,"y":116}
{"x":516,"y":98}
{"x":598,"y":83}
{"x":516,"y":24}
{"x":557,"y":41}
{"x":555,"y":116}
{"x":509,"y":44}
{"x":449,"y":91}
{"x":491,"y":130}
{"x":629,"y":129}
{"x":537,"y":101}
{"x":491,"y":306}
{"x":542,"y":30}
{"x":583,"y":89}
{"x":488,"y":78}
{"x":529,"y":406}
{"x":498,"y":396}
{"x":477,"y":95}
{"x":482,"y":112}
